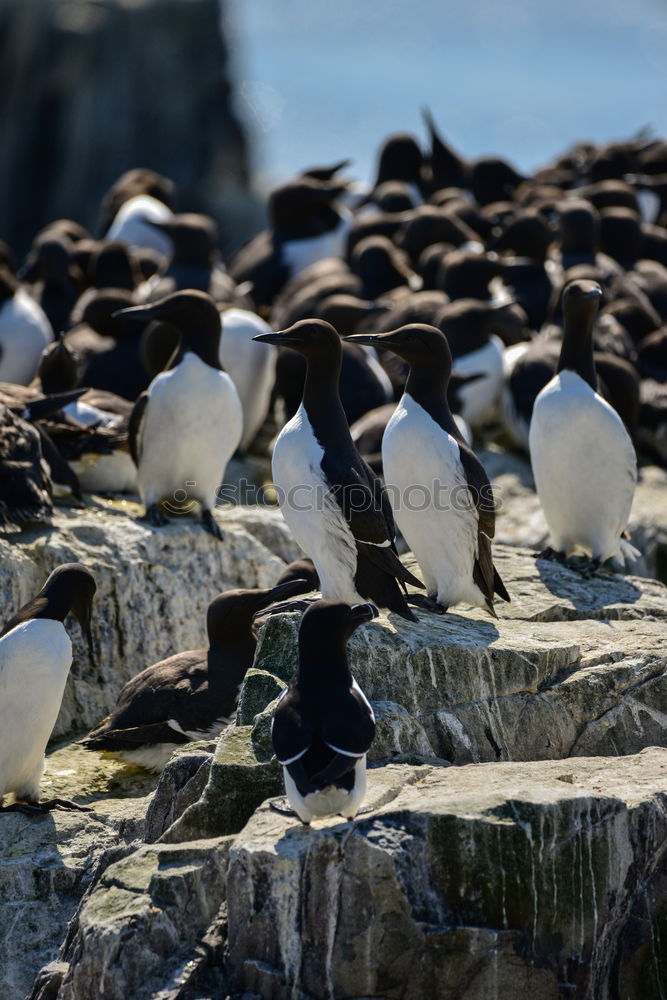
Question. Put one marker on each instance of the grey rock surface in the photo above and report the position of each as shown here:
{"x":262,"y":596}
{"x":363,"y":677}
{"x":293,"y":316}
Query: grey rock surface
{"x":153,"y":587}
{"x":47,"y":864}
{"x":469,"y":882}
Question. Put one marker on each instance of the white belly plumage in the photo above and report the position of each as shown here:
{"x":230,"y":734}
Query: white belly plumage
{"x":251,"y":366}
{"x":311,"y":512}
{"x":479,"y":398}
{"x":24,"y":333}
{"x":132,"y":224}
{"x":35,"y":658}
{"x":584,"y":465}
{"x":156,"y":756}
{"x":300,"y":254}
{"x":191,"y":428}
{"x":330,"y":801}
{"x":431,"y":502}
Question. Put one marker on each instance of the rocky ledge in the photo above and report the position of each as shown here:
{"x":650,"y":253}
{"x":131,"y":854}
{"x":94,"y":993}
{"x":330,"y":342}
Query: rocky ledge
{"x":469,"y":882}
{"x":536,"y":860}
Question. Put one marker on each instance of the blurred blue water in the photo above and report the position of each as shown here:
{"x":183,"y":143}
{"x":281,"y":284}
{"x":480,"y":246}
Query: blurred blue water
{"x":321,"y":81}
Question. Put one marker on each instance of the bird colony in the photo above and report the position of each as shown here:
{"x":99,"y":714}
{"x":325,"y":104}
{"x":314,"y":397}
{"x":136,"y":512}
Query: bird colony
{"x":366,"y":342}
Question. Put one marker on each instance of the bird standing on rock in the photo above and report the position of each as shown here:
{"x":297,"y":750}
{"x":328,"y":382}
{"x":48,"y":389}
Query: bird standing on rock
{"x":323,"y":724}
{"x":583,"y":460}
{"x":187,"y":425}
{"x":191,"y":695}
{"x":422,"y":450}
{"x":35,"y":658}
{"x":332,"y":501}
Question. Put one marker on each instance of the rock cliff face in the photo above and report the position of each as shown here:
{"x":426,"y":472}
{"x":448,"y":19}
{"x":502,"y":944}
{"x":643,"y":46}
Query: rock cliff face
{"x":507,"y":839}
{"x":89,"y":90}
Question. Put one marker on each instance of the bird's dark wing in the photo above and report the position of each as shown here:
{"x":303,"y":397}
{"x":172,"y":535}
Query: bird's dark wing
{"x":365,"y":506}
{"x":259,"y":261}
{"x":134,"y":426}
{"x":349,"y":724}
{"x":161,"y":692}
{"x":481,"y":495}
{"x":133,"y":738}
{"x":291,"y":733}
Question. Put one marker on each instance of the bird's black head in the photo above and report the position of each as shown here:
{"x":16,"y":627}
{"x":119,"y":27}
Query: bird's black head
{"x":111,"y":266}
{"x":400,"y":159}
{"x":101,"y":313}
{"x":422,"y":346}
{"x":58,"y":369}
{"x":132,"y":183}
{"x":581,"y":301}
{"x":313,"y":338}
{"x":195,"y":238}
{"x":71,"y":587}
{"x":305,"y":207}
{"x":327,"y":625}
{"x":579,"y":226}
{"x":231,"y":614}
{"x":194,"y":314}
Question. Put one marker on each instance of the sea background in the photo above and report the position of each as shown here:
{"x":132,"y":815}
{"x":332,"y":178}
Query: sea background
{"x":319,"y":81}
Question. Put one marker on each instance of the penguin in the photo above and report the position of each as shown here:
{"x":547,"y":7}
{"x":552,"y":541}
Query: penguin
{"x":190,"y":695}
{"x":332,"y":502}
{"x":582,"y":456}
{"x":422,"y":449}
{"x":35,"y":658}
{"x":306,"y":224}
{"x":187,"y":425}
{"x":323,"y":724}
{"x":24,"y":332}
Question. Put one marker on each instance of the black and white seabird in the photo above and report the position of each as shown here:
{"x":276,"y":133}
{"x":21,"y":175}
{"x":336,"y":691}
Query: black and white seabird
{"x":187,"y":425}
{"x":583,"y":460}
{"x":306,"y":224}
{"x":24,"y":331}
{"x":323,"y":724}
{"x":333,"y":503}
{"x":191,"y":695}
{"x":35,"y":658}
{"x":423,"y":450}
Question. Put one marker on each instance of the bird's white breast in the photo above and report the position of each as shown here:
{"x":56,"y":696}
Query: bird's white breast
{"x":432,"y":505}
{"x":192,"y":426}
{"x":35,"y":658}
{"x":24,"y":333}
{"x":479,"y":397}
{"x":251,"y":366}
{"x":584,"y":464}
{"x":132,"y":224}
{"x":311,"y":513}
{"x":300,"y":254}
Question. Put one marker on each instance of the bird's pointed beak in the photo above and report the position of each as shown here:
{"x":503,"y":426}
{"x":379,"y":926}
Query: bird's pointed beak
{"x":279,"y":337}
{"x":137,"y":313}
{"x":364,"y":613}
{"x":83,"y":614}
{"x":373,"y":339}
{"x":367,"y":339}
{"x":280,"y":593}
